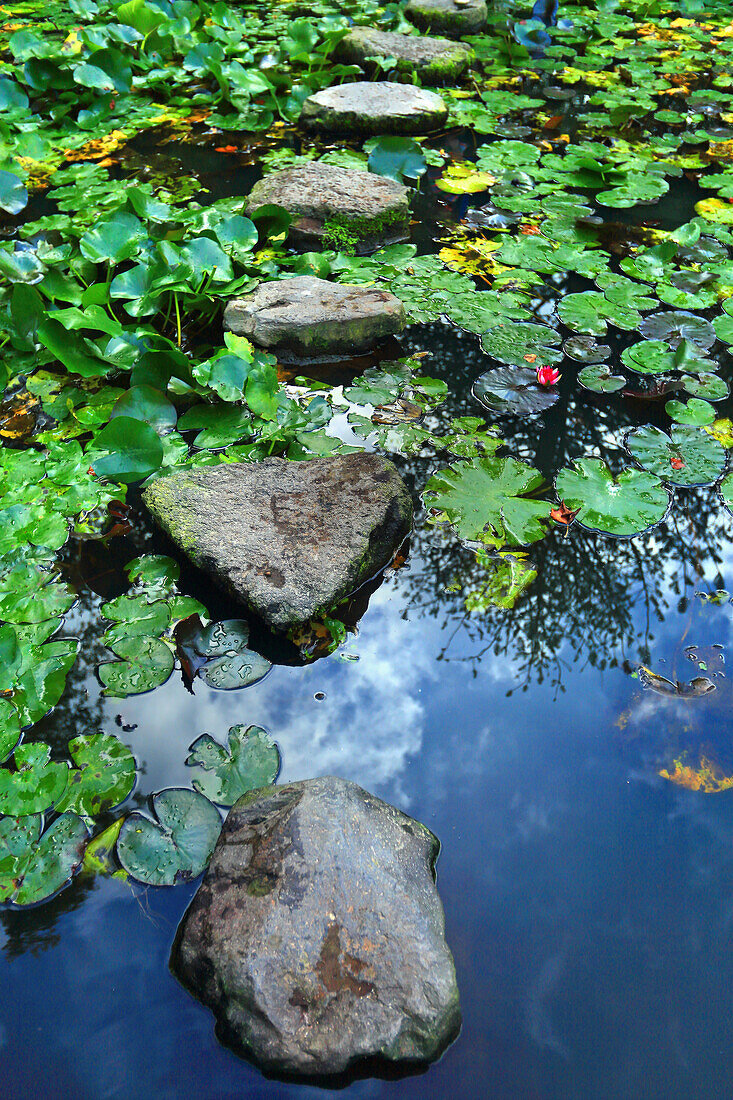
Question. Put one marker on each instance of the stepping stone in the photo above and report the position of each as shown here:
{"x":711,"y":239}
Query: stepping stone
{"x":371,"y":107}
{"x":336,"y":206}
{"x":310,"y":318}
{"x":289,"y":539}
{"x":448,"y":17}
{"x":435,"y":60}
{"x":318,"y":937}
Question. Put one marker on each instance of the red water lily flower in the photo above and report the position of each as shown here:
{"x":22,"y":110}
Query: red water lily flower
{"x":548,"y":376}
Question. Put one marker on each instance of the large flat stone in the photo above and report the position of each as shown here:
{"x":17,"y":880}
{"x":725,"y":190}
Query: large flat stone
{"x":290,"y":539}
{"x":314,"y":319}
{"x":317,"y":935}
{"x":435,"y":60}
{"x":447,"y":17}
{"x":378,"y":107}
{"x":324,"y":201}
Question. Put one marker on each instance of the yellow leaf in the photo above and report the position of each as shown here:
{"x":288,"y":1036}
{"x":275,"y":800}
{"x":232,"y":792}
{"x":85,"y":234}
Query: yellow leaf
{"x":715,"y":210}
{"x":722,"y":430}
{"x":72,"y":43}
{"x":464,"y":179}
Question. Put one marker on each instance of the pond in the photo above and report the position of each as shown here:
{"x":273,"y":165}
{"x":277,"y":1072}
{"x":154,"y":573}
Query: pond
{"x":539,"y":676}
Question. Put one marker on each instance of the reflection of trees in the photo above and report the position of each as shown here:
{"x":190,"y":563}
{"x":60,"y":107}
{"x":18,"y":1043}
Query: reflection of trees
{"x":590,"y":590}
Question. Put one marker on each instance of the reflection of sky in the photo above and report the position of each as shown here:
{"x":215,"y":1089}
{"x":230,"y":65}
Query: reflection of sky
{"x":588,"y":903}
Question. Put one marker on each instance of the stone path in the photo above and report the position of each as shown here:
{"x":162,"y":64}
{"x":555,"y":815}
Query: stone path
{"x":329,"y":205}
{"x":317,"y":935}
{"x":309,"y":318}
{"x":448,"y":17}
{"x":368,"y":108}
{"x":290,"y":539}
{"x":435,"y":60}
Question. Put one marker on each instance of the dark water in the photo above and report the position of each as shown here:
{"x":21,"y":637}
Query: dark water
{"x":589,"y":902}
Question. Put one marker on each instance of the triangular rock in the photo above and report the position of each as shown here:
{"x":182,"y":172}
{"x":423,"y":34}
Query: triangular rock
{"x":290,"y":539}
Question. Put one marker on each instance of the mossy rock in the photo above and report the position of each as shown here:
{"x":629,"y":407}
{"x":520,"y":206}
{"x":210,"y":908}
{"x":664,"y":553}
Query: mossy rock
{"x":435,"y":60}
{"x":368,"y":108}
{"x":448,"y":18}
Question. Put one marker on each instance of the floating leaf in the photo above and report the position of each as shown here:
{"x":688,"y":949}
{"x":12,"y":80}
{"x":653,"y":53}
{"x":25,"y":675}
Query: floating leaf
{"x":688,"y":456}
{"x":708,"y":386}
{"x":693,"y":411}
{"x":9,"y":725}
{"x":673,"y":328}
{"x":483,"y":500}
{"x":36,"y":786}
{"x":691,"y":689}
{"x":648,"y":357}
{"x":154,"y":569}
{"x":134,"y":450}
{"x":512,"y":341}
{"x":104,"y":774}
{"x":99,"y":853}
{"x":598,"y":378}
{"x":512,"y":391}
{"x":584,"y":349}
{"x":178,"y":846}
{"x":251,"y":761}
{"x":148,"y":405}
{"x":623,"y":506}
{"x":395,"y":157}
{"x":147,"y":663}
{"x":33,"y":867}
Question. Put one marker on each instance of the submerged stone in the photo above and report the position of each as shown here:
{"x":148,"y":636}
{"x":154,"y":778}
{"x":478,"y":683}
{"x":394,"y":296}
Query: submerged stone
{"x":317,"y":935}
{"x":290,"y":539}
{"x":437,"y":60}
{"x":448,"y":17}
{"x":336,"y":206}
{"x":312,"y":318}
{"x":367,"y":107}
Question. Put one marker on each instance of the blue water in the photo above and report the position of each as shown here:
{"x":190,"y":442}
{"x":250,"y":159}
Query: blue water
{"x":589,"y":903}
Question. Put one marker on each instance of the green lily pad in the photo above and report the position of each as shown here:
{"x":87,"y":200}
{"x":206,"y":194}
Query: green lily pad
{"x":628,"y":505}
{"x":148,"y":405}
{"x":708,"y":386}
{"x":36,"y":786}
{"x":229,"y":664}
{"x":693,"y":411}
{"x":177,"y":847}
{"x":154,"y":569}
{"x":33,"y":867}
{"x":648,"y":357}
{"x":598,"y":378}
{"x":9,"y":729}
{"x":584,"y":349}
{"x":687,"y":456}
{"x":252,"y":761}
{"x":147,"y":663}
{"x":511,"y":342}
{"x":483,"y":500}
{"x":103,"y":777}
{"x":135,"y":450}
{"x":513,"y":391}
{"x":726,"y":491}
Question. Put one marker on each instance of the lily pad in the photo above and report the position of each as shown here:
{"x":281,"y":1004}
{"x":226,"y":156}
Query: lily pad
{"x":693,"y":411}
{"x":177,"y":847}
{"x":687,"y":456}
{"x":513,"y":391}
{"x":9,"y":729}
{"x":726,"y":491}
{"x":36,"y":786}
{"x":648,"y":357}
{"x":251,"y":761}
{"x":584,"y":349}
{"x":33,"y":867}
{"x":598,"y":378}
{"x":228,"y":663}
{"x":484,"y":501}
{"x":103,"y":777}
{"x":675,"y":327}
{"x":627,"y":505}
{"x":512,"y":342}
{"x":708,"y":386}
{"x":146,"y":663}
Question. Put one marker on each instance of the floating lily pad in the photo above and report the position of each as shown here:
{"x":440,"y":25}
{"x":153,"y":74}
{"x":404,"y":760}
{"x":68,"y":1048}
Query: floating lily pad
{"x":33,"y":867}
{"x":598,"y":378}
{"x":687,"y":456}
{"x":9,"y":729}
{"x":483,"y":500}
{"x":648,"y":357}
{"x":693,"y":411}
{"x":228,"y":663}
{"x":511,"y":342}
{"x":36,"y":786}
{"x":584,"y":349}
{"x":723,"y":327}
{"x":146,"y":663}
{"x":675,"y":327}
{"x":660,"y":685}
{"x":154,"y":569}
{"x":513,"y":391}
{"x":726,"y":491}
{"x":251,"y":761}
{"x":103,"y":777}
{"x":708,"y":386}
{"x":627,"y":505}
{"x":177,"y":847}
